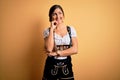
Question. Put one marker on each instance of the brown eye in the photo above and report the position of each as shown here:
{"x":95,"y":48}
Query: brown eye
{"x":53,"y":14}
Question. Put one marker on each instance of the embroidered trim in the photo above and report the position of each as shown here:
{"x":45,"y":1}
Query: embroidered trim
{"x":65,"y":70}
{"x":55,"y":70}
{"x":68,"y":78}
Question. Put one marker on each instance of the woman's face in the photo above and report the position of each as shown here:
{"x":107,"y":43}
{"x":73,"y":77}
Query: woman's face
{"x":57,"y":16}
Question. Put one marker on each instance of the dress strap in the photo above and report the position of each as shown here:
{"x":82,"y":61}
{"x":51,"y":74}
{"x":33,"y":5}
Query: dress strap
{"x":69,"y":31}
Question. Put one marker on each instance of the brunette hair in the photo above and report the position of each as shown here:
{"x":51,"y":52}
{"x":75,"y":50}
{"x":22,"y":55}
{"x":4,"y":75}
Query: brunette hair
{"x":52,"y":10}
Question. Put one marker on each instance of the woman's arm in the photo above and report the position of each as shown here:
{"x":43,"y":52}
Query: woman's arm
{"x":49,"y":41}
{"x":70,"y":51}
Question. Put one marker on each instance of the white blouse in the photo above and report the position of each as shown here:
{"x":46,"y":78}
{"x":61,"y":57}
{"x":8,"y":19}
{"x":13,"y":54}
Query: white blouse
{"x":59,"y":40}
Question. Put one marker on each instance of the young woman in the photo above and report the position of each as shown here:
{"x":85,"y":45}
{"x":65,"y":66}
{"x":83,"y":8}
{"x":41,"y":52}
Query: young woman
{"x":60,"y":43}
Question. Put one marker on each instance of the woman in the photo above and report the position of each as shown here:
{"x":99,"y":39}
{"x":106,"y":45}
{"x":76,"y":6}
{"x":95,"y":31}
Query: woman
{"x":60,"y":44}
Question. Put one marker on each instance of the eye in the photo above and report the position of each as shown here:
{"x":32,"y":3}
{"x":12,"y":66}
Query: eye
{"x":53,"y":14}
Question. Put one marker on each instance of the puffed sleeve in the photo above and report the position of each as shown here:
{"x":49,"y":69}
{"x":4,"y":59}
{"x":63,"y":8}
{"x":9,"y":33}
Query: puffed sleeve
{"x":46,"y":33}
{"x":73,"y":32}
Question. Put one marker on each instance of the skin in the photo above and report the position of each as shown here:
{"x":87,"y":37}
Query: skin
{"x":61,"y":29}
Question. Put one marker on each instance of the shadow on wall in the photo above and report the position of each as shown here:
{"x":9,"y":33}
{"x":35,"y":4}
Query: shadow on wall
{"x":37,"y":57}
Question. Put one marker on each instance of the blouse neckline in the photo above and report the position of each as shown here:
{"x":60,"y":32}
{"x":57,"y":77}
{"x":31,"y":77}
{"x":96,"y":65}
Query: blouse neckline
{"x":61,"y":36}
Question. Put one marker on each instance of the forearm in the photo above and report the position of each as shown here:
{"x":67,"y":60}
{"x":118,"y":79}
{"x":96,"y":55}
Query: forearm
{"x":50,"y":41}
{"x":69,"y":51}
{"x":72,"y":50}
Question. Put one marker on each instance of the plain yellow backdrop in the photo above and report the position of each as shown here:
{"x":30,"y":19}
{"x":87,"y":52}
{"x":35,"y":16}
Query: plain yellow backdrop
{"x":97,"y":23}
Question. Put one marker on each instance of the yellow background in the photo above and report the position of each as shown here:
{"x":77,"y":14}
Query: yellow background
{"x":97,"y":23}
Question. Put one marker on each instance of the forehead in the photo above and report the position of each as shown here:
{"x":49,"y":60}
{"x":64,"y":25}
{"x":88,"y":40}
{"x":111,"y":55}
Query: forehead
{"x":57,"y":10}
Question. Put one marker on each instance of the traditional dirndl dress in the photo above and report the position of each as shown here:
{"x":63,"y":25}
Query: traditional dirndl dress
{"x":60,"y":69}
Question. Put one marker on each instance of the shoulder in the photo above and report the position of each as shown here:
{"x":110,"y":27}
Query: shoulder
{"x":73,"y":31}
{"x":72,"y":28}
{"x":46,"y":32}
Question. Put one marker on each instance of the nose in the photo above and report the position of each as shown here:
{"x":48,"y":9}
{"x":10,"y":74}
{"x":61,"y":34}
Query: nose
{"x":57,"y":15}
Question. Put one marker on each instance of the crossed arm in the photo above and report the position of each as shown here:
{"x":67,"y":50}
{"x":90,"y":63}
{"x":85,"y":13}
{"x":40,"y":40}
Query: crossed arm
{"x":49,"y":45}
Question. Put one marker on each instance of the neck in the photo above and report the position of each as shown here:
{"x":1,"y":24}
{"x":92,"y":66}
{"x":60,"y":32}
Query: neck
{"x":60,"y":26}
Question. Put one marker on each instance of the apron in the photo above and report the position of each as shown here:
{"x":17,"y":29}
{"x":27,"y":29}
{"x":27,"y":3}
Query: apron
{"x":56,"y":69}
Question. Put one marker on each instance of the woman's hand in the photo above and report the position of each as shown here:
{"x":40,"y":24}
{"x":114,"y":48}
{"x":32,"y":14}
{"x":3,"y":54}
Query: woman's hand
{"x":52,"y":54}
{"x":53,"y":25}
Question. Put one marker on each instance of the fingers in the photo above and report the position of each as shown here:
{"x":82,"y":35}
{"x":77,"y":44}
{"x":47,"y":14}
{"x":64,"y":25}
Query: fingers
{"x":48,"y":54}
{"x":53,"y":24}
{"x":51,"y":54}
